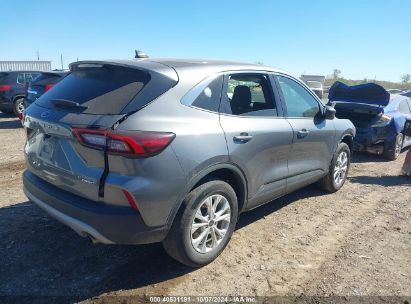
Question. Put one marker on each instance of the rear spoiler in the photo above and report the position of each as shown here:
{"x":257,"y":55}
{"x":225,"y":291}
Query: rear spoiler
{"x":368,"y":93}
{"x":56,"y":73}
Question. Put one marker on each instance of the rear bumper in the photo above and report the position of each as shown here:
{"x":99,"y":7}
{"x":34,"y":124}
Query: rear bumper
{"x":377,"y":148}
{"x":102,"y":223}
{"x":373,"y":140}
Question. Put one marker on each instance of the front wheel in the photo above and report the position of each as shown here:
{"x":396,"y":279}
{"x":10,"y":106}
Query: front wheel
{"x":204,"y":227}
{"x":338,"y":171}
{"x":18,"y":106}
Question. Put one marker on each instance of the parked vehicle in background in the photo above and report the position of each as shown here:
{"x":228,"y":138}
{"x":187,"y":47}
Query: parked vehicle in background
{"x":406,"y":167}
{"x":378,"y":117}
{"x":41,"y":84}
{"x":172,"y":151}
{"x":395,"y":91}
{"x":406,"y":93}
{"x":12,"y":90}
{"x":316,"y":87}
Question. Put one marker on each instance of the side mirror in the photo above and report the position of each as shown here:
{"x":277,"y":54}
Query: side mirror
{"x":329,"y":112}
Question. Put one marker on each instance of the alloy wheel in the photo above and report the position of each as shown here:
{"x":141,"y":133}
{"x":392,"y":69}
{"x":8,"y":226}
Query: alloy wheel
{"x":340,"y":168}
{"x":20,"y":106}
{"x":210,"y":223}
{"x":398,"y":145}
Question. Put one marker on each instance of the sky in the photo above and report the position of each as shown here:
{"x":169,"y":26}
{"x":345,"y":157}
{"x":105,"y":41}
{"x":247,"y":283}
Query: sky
{"x":362,"y":38}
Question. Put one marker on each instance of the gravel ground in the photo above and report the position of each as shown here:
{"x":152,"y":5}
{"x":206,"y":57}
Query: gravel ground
{"x":355,"y":242}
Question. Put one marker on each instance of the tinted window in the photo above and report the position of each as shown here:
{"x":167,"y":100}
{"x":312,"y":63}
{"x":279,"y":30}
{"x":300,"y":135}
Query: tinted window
{"x":47,"y":78}
{"x":20,"y":78}
{"x":104,"y":90}
{"x":206,"y":95}
{"x":299,"y":102}
{"x":30,"y":77}
{"x":249,"y":95}
{"x":403,"y":107}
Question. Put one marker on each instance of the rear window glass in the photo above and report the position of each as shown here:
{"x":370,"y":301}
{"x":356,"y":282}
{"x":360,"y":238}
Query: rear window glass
{"x":3,"y":75}
{"x":46,"y":78}
{"x":100,"y":90}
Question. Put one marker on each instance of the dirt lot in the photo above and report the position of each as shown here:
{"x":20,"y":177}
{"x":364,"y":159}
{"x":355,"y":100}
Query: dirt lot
{"x":354,"y":242}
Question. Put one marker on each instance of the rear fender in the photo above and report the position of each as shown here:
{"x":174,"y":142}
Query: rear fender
{"x":198,"y":177}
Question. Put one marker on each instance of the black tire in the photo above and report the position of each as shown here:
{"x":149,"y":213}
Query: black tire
{"x":328,"y":183}
{"x":393,"y":149}
{"x":18,"y":106}
{"x":178,"y":243}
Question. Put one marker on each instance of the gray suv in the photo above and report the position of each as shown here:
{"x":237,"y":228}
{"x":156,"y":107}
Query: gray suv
{"x":172,"y":151}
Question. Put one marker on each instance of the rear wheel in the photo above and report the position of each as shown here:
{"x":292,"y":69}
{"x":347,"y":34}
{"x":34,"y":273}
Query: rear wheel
{"x":18,"y":106}
{"x":393,"y":149}
{"x":204,"y":227}
{"x":337,"y":174}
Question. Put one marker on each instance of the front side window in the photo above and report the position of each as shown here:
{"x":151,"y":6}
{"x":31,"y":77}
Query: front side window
{"x":299,"y":102}
{"x":248,"y":95}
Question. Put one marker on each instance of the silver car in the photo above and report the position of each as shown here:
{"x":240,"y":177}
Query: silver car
{"x":172,"y":151}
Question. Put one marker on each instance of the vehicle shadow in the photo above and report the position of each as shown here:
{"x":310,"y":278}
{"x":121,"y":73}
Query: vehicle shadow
{"x":42,"y":258}
{"x":381,"y":180}
{"x":12,"y":122}
{"x":273,"y":206}
{"x":360,"y":158}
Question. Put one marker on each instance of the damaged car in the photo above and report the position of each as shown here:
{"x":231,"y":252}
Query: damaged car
{"x":378,"y":116}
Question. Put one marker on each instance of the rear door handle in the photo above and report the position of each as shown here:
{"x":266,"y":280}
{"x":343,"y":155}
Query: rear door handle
{"x":243,"y":137}
{"x":302,"y":133}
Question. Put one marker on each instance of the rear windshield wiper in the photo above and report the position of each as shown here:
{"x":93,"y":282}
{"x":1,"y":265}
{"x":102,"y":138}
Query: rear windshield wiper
{"x":64,"y":103}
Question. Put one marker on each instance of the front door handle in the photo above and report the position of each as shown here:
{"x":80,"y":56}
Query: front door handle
{"x":302,"y":133}
{"x":243,"y":137}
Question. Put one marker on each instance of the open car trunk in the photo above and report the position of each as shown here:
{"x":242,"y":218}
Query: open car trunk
{"x":92,"y":96}
{"x":361,"y":115}
{"x":362,"y":104}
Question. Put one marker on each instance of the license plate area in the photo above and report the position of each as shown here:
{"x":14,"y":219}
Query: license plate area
{"x":47,"y":148}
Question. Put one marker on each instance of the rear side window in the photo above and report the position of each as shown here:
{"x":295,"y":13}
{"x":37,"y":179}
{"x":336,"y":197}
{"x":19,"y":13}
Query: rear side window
{"x":206,"y":95}
{"x":98,"y":90}
{"x":30,"y":76}
{"x":20,"y":78}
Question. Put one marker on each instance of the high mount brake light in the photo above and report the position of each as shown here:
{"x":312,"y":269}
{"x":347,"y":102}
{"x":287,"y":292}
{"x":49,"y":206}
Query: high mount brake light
{"x":126,"y":143}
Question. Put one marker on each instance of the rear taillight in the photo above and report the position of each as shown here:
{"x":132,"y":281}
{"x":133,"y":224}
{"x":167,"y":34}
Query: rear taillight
{"x":48,"y":87}
{"x":383,"y":121}
{"x":4,"y":88}
{"x":126,"y":143}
